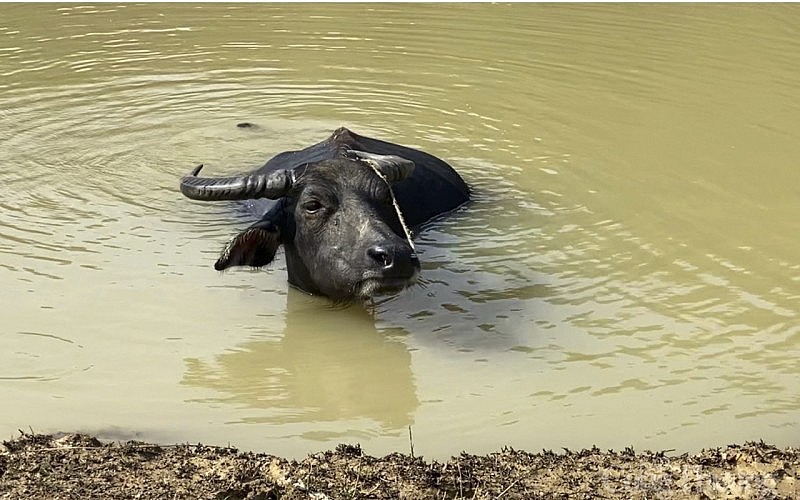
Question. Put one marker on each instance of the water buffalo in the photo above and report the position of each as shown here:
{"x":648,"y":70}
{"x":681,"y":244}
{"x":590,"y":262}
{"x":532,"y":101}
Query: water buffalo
{"x":342,"y":211}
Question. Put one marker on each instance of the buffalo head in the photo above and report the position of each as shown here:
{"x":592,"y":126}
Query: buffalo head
{"x":337,"y":218}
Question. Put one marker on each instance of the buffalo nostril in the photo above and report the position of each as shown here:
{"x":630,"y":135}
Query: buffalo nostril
{"x":380,"y":255}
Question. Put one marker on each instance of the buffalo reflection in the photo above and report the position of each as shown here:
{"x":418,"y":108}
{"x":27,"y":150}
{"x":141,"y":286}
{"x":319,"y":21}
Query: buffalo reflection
{"x":329,"y":365}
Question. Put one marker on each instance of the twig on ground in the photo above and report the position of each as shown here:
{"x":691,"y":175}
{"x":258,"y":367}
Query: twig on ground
{"x":507,"y":488}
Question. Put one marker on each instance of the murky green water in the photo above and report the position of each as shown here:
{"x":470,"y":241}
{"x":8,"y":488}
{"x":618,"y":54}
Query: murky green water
{"x":628,"y":273}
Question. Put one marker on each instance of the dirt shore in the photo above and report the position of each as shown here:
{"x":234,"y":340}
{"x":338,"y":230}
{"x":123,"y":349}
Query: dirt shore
{"x":76,"y":466}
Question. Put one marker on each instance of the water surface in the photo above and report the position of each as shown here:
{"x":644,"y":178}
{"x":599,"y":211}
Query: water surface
{"x":627,"y":273}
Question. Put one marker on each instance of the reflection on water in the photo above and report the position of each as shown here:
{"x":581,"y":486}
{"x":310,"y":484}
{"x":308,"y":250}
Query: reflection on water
{"x":629,"y":260}
{"x":329,"y":364}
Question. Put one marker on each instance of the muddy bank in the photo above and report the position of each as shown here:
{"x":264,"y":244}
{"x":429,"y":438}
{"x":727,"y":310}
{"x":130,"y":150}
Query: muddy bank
{"x":77,"y":467}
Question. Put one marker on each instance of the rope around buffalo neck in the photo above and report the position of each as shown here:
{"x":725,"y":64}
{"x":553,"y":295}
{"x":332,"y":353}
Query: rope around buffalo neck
{"x":406,"y":231}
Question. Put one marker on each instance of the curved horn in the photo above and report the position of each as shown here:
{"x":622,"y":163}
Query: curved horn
{"x":271,"y":185}
{"x":393,"y":168}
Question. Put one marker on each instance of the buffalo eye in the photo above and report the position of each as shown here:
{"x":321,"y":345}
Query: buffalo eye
{"x":312,"y":206}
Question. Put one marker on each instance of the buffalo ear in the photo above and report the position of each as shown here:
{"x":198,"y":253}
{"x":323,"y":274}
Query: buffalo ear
{"x":254,"y":247}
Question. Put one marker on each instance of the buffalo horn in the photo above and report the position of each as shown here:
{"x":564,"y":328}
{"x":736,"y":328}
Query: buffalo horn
{"x":271,"y":185}
{"x":393,"y":168}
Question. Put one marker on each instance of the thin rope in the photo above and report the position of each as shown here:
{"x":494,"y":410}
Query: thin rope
{"x":407,"y":232}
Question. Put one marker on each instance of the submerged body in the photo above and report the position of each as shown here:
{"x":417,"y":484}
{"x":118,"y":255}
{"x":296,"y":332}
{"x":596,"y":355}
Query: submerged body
{"x":342,"y":210}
